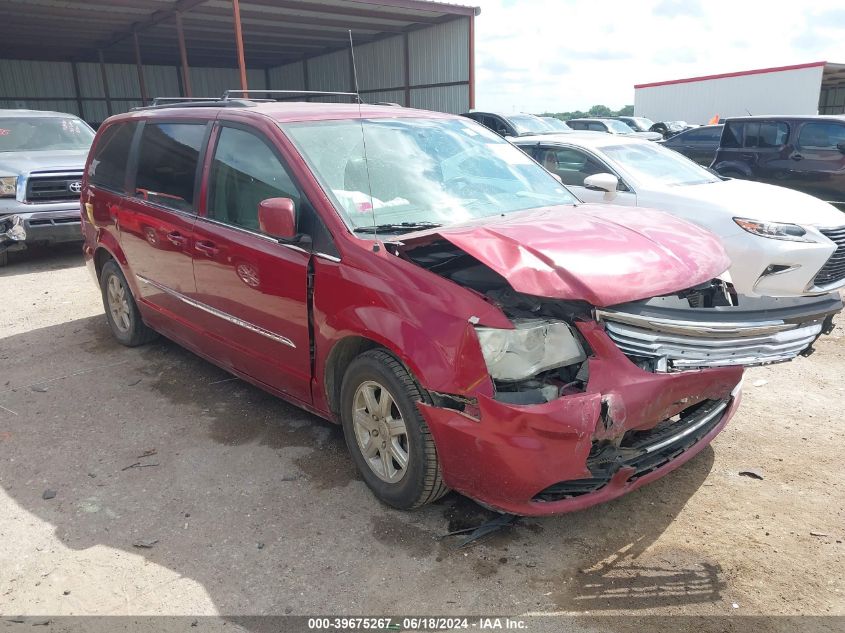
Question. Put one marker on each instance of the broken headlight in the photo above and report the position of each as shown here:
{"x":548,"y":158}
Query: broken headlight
{"x":533,"y":346}
{"x":8,"y":186}
{"x":774,"y":230}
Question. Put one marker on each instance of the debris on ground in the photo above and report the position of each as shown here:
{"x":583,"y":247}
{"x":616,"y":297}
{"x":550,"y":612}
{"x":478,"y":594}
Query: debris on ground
{"x":760,"y":382}
{"x":138,"y":465}
{"x":48,"y":494}
{"x":145,"y":543}
{"x":485,"y":529}
{"x":133,"y":383}
{"x":147,"y":453}
{"x":260,"y":545}
{"x":819,"y":534}
{"x":39,"y":388}
{"x":753,"y":474}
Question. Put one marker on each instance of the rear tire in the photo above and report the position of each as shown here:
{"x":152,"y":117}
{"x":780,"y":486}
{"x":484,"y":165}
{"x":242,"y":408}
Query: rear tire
{"x":121,"y":310}
{"x":387,"y":436}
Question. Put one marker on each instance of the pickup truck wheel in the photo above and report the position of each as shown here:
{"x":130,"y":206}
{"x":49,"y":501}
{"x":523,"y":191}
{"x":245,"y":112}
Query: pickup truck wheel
{"x":389,"y":440}
{"x":121,"y":311}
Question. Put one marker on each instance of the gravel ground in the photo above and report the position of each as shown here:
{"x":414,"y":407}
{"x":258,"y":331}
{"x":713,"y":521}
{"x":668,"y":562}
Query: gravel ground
{"x":251,"y":506}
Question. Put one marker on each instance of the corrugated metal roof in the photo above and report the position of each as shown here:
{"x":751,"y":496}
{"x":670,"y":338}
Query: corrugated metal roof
{"x":275,"y":32}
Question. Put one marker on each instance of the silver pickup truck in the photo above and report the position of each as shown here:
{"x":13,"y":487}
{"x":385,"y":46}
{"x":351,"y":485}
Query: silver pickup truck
{"x":42,"y":155}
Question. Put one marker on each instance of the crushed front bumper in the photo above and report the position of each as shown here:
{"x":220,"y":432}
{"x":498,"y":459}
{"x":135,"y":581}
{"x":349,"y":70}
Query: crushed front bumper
{"x":50,"y":223}
{"x":511,"y":457}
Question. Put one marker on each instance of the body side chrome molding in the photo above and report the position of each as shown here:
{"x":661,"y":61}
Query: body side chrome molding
{"x":215,"y":312}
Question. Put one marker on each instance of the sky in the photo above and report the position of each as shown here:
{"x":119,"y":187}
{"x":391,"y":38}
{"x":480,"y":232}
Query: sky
{"x":562,"y":55}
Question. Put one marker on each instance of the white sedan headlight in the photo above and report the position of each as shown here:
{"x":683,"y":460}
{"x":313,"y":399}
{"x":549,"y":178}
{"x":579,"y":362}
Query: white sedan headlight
{"x":775,"y":230}
{"x":533,"y":346}
{"x":8,"y":186}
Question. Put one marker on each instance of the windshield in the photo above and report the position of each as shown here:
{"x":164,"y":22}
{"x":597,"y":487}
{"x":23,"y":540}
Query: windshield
{"x":417,"y":171}
{"x":529,"y":124}
{"x":19,"y":134}
{"x":639,"y":123}
{"x":617,"y":126}
{"x":556,"y":124}
{"x":656,"y":165}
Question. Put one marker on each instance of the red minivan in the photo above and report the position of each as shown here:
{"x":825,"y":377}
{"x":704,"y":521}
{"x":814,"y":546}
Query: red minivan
{"x":419,"y":280}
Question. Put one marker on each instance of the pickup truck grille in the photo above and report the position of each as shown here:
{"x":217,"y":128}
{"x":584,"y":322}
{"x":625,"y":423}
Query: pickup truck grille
{"x":53,"y":187}
{"x":834,"y":269}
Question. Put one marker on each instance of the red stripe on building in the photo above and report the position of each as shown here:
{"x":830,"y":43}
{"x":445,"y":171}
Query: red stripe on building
{"x":741,"y":73}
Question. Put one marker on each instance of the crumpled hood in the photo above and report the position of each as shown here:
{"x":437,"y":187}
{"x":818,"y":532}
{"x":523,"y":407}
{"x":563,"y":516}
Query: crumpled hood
{"x":601,"y":254}
{"x":757,"y":201}
{"x":17,"y":163}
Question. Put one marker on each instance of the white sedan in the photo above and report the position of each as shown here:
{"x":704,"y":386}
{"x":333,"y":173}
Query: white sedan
{"x":782,"y":243}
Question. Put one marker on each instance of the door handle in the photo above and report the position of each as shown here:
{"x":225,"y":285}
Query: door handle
{"x":207,"y":248}
{"x":176,"y":238}
{"x":796,"y":156}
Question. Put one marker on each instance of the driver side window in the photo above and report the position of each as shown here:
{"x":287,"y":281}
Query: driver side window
{"x":245,"y":171}
{"x":570,"y":164}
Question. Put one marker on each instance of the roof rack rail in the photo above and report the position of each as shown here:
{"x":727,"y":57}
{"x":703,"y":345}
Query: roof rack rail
{"x":163,"y":100}
{"x":309,"y":93}
{"x":160,"y":103}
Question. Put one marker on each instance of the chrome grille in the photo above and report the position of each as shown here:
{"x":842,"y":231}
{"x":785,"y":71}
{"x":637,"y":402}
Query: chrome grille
{"x":673,"y":345}
{"x":53,"y":187}
{"x":834,"y":269}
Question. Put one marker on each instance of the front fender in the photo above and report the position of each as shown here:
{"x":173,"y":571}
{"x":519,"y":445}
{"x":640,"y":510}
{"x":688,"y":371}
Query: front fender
{"x":444,"y":357}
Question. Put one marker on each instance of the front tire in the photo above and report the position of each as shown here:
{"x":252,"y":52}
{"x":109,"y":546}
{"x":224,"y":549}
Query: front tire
{"x":387,"y":436}
{"x":121,"y":310}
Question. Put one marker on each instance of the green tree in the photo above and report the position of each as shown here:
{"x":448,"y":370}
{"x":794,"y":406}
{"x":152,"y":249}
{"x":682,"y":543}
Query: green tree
{"x":600,"y":110}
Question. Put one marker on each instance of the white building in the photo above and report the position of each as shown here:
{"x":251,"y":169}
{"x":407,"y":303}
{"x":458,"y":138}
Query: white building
{"x":814,"y":88}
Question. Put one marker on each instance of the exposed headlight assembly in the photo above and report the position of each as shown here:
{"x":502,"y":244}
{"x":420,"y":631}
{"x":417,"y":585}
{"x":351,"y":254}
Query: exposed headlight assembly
{"x":775,"y":230}
{"x":8,"y":186}
{"x":533,"y":346}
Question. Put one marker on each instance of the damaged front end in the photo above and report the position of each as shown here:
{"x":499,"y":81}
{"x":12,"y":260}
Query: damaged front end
{"x":12,"y":234}
{"x":590,"y":402}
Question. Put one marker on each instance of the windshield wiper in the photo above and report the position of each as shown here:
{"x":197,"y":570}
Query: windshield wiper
{"x":400,"y":227}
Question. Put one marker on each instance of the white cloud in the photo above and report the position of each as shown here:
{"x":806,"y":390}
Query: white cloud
{"x":558,"y":55}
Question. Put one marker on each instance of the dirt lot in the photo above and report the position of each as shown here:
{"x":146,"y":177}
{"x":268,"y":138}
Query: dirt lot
{"x":256,"y":509}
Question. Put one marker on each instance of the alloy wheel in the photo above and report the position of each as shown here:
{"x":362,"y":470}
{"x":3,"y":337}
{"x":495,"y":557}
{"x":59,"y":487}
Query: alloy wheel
{"x":380,"y":431}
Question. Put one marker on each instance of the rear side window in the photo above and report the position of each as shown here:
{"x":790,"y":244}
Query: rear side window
{"x":766,"y":134}
{"x":108,"y":166}
{"x":821,"y":135}
{"x":167,"y":163}
{"x":708,"y":134}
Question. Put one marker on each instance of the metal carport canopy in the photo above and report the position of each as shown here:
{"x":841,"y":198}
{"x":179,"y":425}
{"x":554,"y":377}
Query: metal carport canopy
{"x":274,"y":32}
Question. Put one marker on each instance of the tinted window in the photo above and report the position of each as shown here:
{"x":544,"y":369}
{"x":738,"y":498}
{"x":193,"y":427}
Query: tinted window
{"x":821,"y":135}
{"x":732,"y":135}
{"x":167,"y":163}
{"x":577,"y":125}
{"x":245,"y":171}
{"x":766,"y":135}
{"x":108,"y":166}
{"x":597,"y":127}
{"x":700,"y":134}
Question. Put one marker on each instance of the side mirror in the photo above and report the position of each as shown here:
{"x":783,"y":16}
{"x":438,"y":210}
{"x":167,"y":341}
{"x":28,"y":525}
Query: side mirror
{"x":841,"y":146}
{"x":277,"y":217}
{"x":602,"y":182}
